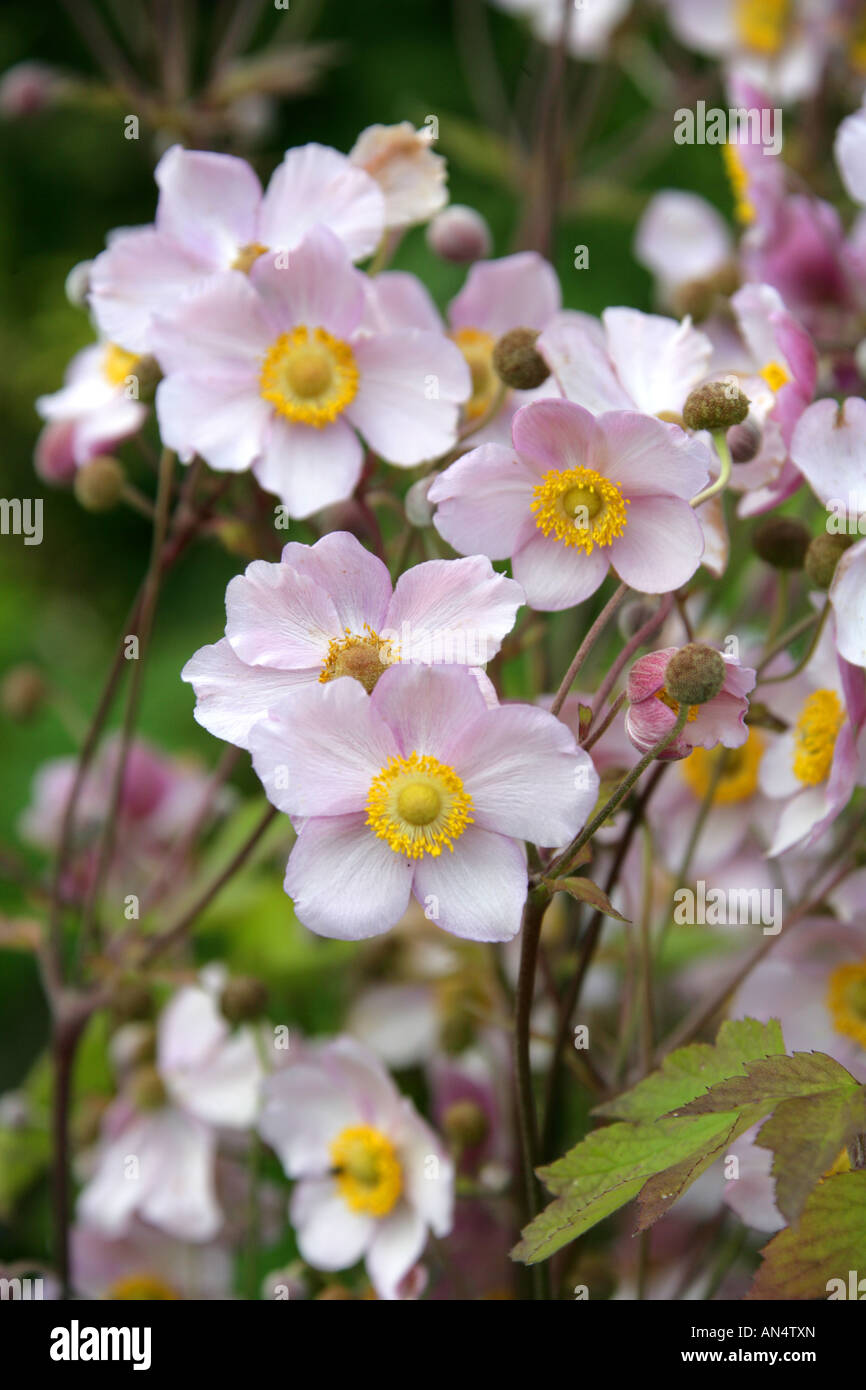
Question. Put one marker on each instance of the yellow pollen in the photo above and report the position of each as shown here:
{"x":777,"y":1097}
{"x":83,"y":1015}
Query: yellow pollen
{"x":142,"y":1288}
{"x":418,"y":806}
{"x":367,"y":1170}
{"x":362,"y":655}
{"x":821,"y":718}
{"x":247,"y":256}
{"x":775,"y":375}
{"x":763,"y":24}
{"x":579,"y":507}
{"x":118,"y":364}
{"x":744,"y":210}
{"x":309,"y":376}
{"x":477,"y":348}
{"x":738,"y":780}
{"x":671,"y":703}
{"x":846,"y":1000}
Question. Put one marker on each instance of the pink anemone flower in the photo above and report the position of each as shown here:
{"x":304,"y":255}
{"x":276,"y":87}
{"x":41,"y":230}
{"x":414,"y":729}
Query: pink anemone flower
{"x":328,"y":610}
{"x":652,"y":712}
{"x":418,"y":789}
{"x":576,"y":496}
{"x":276,"y":371}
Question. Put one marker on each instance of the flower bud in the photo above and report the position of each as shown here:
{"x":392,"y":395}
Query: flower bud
{"x":243,"y":999}
{"x":131,"y":1001}
{"x":99,"y":484}
{"x":22,"y":692}
{"x":632,"y":616}
{"x":419,"y":512}
{"x":465,"y":1124}
{"x":822,"y":557}
{"x":694,"y":674}
{"x":715,"y":406}
{"x":782,"y":541}
{"x":77,"y":284}
{"x":517,"y":360}
{"x":459,"y":234}
{"x":146,"y":1089}
{"x":744,"y":441}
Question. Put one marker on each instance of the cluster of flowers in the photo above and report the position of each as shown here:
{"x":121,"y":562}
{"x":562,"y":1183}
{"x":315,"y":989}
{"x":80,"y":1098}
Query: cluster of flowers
{"x":566,"y":445}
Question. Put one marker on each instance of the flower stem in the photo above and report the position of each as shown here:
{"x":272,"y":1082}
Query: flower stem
{"x":587,"y":645}
{"x":526,"y":1116}
{"x":724,"y":476}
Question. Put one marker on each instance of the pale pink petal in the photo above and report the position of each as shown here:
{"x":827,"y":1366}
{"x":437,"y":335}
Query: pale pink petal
{"x":231,"y":696}
{"x":848,"y":597}
{"x":141,"y":273}
{"x":850,"y":151}
{"x":426,"y":708}
{"x":398,"y":1242}
{"x":556,"y":576}
{"x":208,"y":203}
{"x":649,"y":457}
{"x":316,"y":185}
{"x":575,"y":348}
{"x":309,"y":468}
{"x":483,"y":501}
{"x":397,"y":300}
{"x":526,"y":775}
{"x":555,"y":435}
{"x":661,"y":546}
{"x":478,"y":889}
{"x":519,"y":291}
{"x":304,"y":1108}
{"x":357,"y":582}
{"x":400,"y":1023}
{"x":330,"y":740}
{"x":829,"y":448}
{"x":330,"y":1234}
{"x":181,"y":1197}
{"x":407,"y":402}
{"x":681,"y":237}
{"x":658,"y":360}
{"x":344,"y":882}
{"x":278,"y":617}
{"x":452,"y":611}
{"x":223,"y":329}
{"x":314,"y":284}
{"x":222,"y":418}
{"x":799,"y":818}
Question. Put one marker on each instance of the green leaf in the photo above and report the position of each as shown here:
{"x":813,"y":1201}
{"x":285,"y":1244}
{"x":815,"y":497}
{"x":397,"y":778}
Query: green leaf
{"x":827,"y":1243}
{"x":807,"y":1135}
{"x":608,"y":1169}
{"x":773,"y":1079}
{"x":585,"y":891}
{"x":689,"y":1071}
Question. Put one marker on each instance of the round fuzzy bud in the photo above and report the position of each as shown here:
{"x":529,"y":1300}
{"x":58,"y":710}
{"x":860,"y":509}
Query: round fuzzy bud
{"x":694,"y":674}
{"x":517,"y":360}
{"x":822,"y":557}
{"x":418,"y":510}
{"x":465,"y":1123}
{"x":715,"y":406}
{"x":243,"y":999}
{"x":22,"y":692}
{"x":148,"y":374}
{"x":459,"y":234}
{"x":131,"y":1001}
{"x":146,"y":1089}
{"x":744,"y":441}
{"x":362,"y":662}
{"x":782,"y":541}
{"x":77,"y":284}
{"x":99,"y":484}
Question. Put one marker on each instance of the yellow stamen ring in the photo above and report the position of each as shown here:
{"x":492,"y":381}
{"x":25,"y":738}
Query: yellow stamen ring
{"x":815,"y":736}
{"x":846,"y":1000}
{"x":738,"y":780}
{"x":309,"y":376}
{"x":418,"y":806}
{"x":580,"y":507}
{"x":367,"y":1170}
